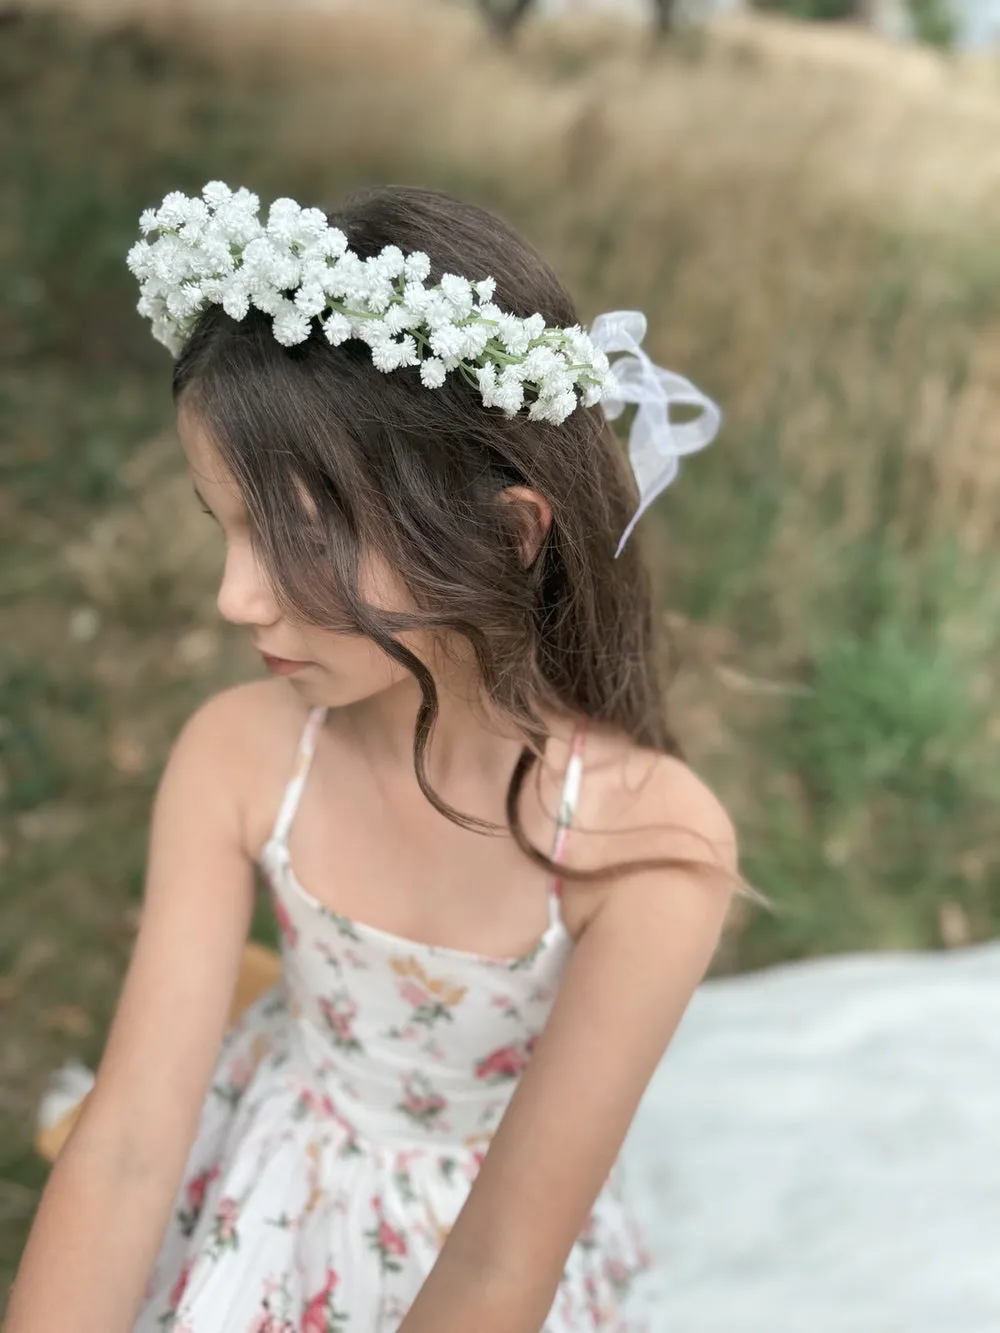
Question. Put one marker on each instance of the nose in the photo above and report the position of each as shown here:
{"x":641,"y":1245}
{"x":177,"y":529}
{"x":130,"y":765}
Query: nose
{"x":245,"y":593}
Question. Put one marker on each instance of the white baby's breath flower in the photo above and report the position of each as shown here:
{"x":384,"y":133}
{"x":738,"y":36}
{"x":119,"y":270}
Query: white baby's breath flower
{"x":458,"y":293}
{"x":432,"y":372}
{"x":438,"y":311}
{"x":399,"y":317}
{"x":448,"y":341}
{"x":534,"y":326}
{"x":311,"y":300}
{"x":284,"y":271}
{"x":313,"y":272}
{"x":174,"y":210}
{"x":335,"y":243}
{"x":267,"y":298}
{"x":417,"y":267}
{"x":380,"y":294}
{"x":415,"y":297}
{"x":474,"y":340}
{"x":216,"y":250}
{"x":408,"y":353}
{"x":337,"y":329}
{"x":388,"y":354}
{"x":510,"y":391}
{"x":184,"y":301}
{"x":236,"y":299}
{"x":138,"y":259}
{"x":540,"y":362}
{"x":513,"y":334}
{"x":312,"y":227}
{"x":392,"y":261}
{"x":487,"y":377}
{"x":371,"y":331}
{"x":291,"y":326}
{"x":283,"y":221}
{"x":350,"y":280}
{"x":553,"y":409}
{"x":216,"y":193}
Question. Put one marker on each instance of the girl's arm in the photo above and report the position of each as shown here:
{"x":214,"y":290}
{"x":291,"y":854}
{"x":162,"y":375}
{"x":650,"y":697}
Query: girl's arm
{"x":107,"y":1201}
{"x":634,"y":968}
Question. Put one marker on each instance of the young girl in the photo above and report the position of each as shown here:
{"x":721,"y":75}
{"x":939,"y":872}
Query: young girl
{"x":497,"y":883}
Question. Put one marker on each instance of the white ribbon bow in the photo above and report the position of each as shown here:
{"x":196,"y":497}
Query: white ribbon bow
{"x":655,"y":443}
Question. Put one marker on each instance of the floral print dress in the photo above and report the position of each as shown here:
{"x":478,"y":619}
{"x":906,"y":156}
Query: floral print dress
{"x":348,"y":1116}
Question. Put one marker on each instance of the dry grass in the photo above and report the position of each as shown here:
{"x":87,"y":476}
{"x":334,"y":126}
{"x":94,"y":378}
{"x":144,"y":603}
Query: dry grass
{"x":851,"y":118}
{"x":807,"y":217}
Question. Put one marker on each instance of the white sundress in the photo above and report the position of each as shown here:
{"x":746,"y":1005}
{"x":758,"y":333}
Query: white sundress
{"x":348,"y":1115}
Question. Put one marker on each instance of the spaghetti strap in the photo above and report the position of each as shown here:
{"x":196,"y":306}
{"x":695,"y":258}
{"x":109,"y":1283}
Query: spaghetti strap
{"x":300,"y":772}
{"x":567,"y":809}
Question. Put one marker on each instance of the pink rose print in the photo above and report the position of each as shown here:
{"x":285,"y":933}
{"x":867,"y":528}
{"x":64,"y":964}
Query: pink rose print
{"x":414,"y":994}
{"x":309,"y":1100}
{"x":224,"y":1224}
{"x":474,"y":1164}
{"x":506,"y":1006}
{"x":594,"y":1308}
{"x":169,"y":1319}
{"x":508,"y":1062}
{"x":187,"y":1217}
{"x":420,"y":1101}
{"x":339,"y":1012}
{"x":431,"y":998}
{"x":390,"y":1244}
{"x":285,"y":923}
{"x":618,"y":1274}
{"x":319,"y":1316}
{"x":277,"y":1303}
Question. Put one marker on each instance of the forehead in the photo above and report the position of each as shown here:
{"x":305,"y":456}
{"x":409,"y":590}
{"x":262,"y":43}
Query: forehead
{"x":202,"y":453}
{"x":208,"y":467}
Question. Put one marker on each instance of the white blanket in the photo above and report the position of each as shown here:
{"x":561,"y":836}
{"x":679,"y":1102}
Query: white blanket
{"x":820,"y":1150}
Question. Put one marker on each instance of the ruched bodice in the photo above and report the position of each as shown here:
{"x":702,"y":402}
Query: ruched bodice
{"x":347,"y":1120}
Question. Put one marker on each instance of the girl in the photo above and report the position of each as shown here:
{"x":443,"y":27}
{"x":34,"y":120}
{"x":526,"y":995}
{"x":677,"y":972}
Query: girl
{"x":393,"y":416}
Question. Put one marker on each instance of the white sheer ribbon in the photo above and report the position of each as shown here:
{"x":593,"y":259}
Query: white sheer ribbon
{"x":655,"y":443}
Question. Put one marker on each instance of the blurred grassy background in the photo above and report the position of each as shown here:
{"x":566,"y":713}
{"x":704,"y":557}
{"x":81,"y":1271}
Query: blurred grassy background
{"x":809,"y":221}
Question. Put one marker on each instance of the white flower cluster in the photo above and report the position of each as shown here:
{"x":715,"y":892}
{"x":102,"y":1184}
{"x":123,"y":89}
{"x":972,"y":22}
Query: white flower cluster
{"x":296,"y":268}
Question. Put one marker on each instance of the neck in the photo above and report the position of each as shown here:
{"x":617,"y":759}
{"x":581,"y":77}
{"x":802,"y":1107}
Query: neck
{"x":468,"y":743}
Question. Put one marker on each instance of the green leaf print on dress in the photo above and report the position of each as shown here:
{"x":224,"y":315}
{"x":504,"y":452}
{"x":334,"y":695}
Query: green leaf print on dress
{"x":339,"y":1014}
{"x":421,"y":1103}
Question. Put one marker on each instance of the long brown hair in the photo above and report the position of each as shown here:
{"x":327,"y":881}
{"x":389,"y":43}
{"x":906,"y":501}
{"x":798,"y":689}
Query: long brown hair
{"x":334,"y":459}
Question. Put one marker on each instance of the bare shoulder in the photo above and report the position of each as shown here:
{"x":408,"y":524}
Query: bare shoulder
{"x":649,"y":803}
{"x":642,"y":806}
{"x":246,"y":737}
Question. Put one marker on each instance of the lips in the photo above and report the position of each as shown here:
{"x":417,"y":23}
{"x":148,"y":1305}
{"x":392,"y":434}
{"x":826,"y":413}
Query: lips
{"x":282,"y":666}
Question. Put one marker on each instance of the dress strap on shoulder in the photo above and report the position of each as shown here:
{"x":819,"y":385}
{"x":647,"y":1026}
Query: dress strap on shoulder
{"x":300,"y":772}
{"x":568,"y":802}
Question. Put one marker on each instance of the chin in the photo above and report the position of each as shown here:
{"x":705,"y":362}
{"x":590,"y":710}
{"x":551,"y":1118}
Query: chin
{"x":331,"y":693}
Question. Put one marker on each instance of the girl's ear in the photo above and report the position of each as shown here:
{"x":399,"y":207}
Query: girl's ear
{"x":533,"y":514}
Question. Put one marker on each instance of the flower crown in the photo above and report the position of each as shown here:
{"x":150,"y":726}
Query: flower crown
{"x":298,"y":269}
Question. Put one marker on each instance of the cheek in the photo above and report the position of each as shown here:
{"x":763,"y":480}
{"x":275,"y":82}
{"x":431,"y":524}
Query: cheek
{"x":353,"y":657}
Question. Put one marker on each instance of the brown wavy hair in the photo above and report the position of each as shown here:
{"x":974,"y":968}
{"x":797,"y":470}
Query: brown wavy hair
{"x":334,"y":459}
